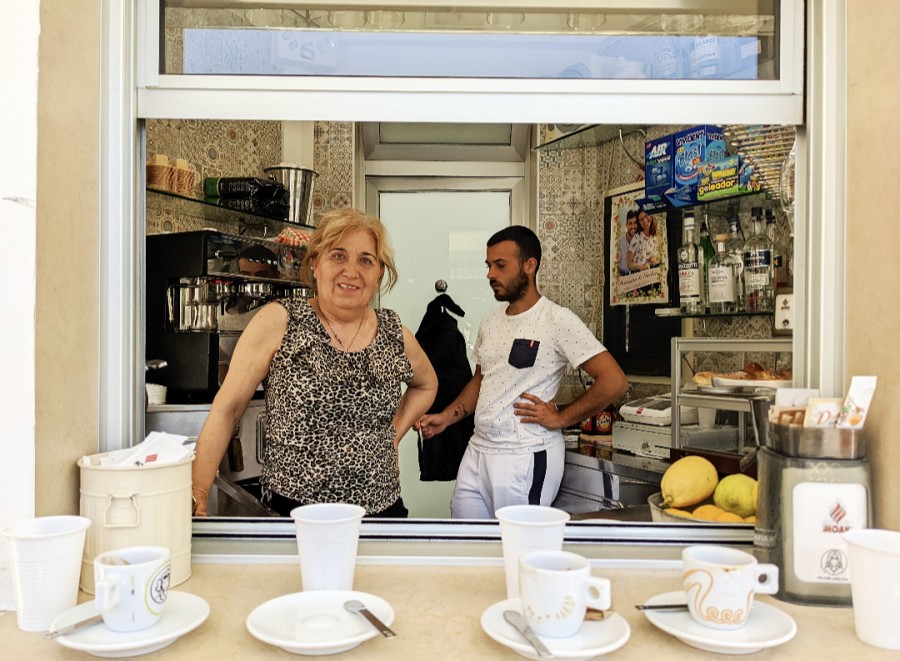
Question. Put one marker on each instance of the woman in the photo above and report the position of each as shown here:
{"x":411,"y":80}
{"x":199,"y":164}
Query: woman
{"x":332,"y":368}
{"x":643,"y":253}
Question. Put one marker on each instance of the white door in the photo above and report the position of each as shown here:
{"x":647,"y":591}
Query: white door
{"x":439,"y":235}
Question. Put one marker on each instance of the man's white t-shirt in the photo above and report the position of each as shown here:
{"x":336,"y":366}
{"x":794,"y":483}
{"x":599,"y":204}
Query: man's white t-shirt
{"x":541,"y":342}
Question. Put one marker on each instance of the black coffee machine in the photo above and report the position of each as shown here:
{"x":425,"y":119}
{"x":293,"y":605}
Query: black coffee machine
{"x":203,"y":288}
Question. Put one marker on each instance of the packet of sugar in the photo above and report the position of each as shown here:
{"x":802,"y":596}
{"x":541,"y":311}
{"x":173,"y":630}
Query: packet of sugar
{"x":794,"y":396}
{"x":856,"y":403}
{"x":822,"y":412}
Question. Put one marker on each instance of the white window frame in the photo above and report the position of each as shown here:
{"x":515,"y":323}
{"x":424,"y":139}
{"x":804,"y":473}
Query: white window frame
{"x":134,"y":90}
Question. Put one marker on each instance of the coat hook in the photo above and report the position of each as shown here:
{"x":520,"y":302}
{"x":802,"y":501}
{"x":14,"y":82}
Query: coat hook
{"x":440,"y":286}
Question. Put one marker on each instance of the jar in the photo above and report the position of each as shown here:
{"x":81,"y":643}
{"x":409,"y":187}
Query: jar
{"x":806,"y":504}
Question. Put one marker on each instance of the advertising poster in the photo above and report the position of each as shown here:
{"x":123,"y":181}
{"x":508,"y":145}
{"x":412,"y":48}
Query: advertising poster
{"x":638,"y":250}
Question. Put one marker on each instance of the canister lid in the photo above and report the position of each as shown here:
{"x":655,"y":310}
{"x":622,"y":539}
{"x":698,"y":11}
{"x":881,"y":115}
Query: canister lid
{"x":813,"y":443}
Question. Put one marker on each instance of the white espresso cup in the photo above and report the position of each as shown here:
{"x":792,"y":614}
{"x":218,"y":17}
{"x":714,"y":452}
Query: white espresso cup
{"x":131,"y":586}
{"x":719,"y":584}
{"x":556,"y":588}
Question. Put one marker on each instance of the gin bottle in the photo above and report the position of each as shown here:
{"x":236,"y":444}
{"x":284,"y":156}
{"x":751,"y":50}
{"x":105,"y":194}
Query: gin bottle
{"x":734,"y":246}
{"x":690,"y":270}
{"x":759,"y":276}
{"x":708,"y":252}
{"x":722,"y":267}
{"x":779,"y":261}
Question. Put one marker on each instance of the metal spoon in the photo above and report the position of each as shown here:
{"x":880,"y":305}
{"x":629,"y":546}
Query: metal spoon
{"x":659,"y":607}
{"x":516,"y":619}
{"x":356,"y":606}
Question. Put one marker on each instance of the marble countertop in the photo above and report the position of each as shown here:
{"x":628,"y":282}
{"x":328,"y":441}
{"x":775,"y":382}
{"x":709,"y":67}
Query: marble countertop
{"x":438,"y":611}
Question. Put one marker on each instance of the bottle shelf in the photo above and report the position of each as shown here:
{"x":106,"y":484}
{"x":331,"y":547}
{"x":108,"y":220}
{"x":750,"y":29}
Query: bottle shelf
{"x":210,"y":210}
{"x":675,"y":312}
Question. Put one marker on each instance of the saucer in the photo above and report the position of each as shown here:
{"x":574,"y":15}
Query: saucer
{"x":766,"y":626}
{"x":184,"y":612}
{"x":595,"y":637}
{"x":316,"y":622}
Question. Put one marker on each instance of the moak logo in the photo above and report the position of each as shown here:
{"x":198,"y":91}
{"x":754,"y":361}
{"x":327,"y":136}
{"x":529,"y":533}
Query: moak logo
{"x":837,"y":514}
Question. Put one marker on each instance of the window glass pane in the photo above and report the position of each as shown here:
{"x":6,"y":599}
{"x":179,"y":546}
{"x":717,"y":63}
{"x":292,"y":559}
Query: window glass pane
{"x":439,"y":43}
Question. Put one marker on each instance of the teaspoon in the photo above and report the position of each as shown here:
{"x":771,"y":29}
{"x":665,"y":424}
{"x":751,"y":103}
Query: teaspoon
{"x":356,"y":606}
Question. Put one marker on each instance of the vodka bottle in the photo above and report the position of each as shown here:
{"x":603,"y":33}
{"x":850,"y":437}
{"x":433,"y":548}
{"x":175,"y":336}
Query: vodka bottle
{"x":779,"y":261}
{"x":722,"y":267}
{"x":690,"y":270}
{"x":708,"y":252}
{"x":734,"y":246}
{"x":759,"y":277}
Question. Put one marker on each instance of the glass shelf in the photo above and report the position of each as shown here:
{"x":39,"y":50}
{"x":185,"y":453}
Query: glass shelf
{"x":591,"y":136}
{"x":667,"y":313}
{"x":209,"y":210}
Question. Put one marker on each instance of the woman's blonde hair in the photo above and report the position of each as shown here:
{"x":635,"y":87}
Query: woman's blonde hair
{"x":333,"y":225}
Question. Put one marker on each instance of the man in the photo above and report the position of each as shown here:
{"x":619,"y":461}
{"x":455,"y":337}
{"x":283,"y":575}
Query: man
{"x":516,"y":454}
{"x":631,"y":224}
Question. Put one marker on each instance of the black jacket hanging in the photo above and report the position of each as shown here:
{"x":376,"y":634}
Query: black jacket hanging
{"x":445,"y":347}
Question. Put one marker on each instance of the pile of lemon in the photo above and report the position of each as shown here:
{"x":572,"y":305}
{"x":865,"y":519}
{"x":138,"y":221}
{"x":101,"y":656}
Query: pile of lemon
{"x":691,"y":480}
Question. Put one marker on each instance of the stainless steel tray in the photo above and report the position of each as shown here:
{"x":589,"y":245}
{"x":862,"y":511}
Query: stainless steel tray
{"x":828,"y":443}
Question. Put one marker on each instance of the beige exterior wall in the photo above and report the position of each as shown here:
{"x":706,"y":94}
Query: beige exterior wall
{"x":873,"y":238}
{"x":68,"y":257}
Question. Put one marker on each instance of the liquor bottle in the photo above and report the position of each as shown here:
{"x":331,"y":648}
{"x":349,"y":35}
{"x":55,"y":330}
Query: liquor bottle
{"x":722,"y":267}
{"x":734,"y":246}
{"x":690,"y":270}
{"x":779,"y":262}
{"x":708,"y":252}
{"x":759,"y":278}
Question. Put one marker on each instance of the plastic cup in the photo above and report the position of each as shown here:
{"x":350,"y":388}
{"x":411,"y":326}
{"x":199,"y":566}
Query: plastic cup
{"x":327,"y":538}
{"x":875,"y":585}
{"x":527,"y":528}
{"x":156,"y":393}
{"x":45,"y":563}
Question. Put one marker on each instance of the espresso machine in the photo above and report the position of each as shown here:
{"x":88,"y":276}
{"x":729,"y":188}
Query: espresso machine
{"x":203,"y":287}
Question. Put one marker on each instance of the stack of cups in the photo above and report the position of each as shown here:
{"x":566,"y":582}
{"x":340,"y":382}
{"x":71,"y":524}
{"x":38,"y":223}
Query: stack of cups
{"x":45,"y":562}
{"x":526,"y":528}
{"x":720,"y":583}
{"x":327,"y":539}
{"x":875,"y":585}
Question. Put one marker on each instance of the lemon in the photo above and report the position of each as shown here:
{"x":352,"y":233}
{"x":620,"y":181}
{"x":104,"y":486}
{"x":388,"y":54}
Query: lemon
{"x":688,"y":481}
{"x":734,"y":493}
{"x":674,"y":511}
{"x":708,"y":512}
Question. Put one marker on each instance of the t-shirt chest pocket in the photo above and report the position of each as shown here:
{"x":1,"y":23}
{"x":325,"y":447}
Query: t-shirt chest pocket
{"x":523,"y":353}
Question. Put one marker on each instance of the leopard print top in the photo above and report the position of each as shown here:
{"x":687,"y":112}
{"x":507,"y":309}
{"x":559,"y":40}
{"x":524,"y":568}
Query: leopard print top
{"x":330,"y":432}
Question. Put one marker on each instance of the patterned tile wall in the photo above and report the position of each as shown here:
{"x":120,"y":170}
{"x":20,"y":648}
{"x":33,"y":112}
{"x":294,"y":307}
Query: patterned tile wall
{"x":243,"y":149}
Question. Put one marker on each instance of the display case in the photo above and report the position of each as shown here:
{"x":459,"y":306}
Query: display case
{"x":746,"y":401}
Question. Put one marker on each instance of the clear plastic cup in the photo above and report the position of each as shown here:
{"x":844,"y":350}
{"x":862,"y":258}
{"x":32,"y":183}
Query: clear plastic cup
{"x":327,"y":539}
{"x":45,"y":564}
{"x":526,"y":528}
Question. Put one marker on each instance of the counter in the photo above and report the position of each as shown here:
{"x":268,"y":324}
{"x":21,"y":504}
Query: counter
{"x":438,"y":610}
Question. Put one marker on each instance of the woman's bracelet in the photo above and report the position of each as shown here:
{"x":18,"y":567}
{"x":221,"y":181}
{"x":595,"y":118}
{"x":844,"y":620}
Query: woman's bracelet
{"x":203,"y":491}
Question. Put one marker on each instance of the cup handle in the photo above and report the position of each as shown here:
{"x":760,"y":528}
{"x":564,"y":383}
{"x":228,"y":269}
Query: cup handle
{"x":597,"y":592}
{"x":106,"y":594}
{"x":766,"y":579}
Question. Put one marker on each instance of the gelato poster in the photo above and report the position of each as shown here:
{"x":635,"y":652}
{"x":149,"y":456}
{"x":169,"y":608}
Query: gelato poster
{"x":638,"y":249}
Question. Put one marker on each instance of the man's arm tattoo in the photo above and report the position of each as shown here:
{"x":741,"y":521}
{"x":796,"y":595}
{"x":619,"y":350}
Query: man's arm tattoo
{"x":460,"y":411}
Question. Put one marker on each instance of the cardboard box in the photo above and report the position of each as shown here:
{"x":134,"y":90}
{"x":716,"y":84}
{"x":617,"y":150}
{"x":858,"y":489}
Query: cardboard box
{"x":694,"y":146}
{"x":659,"y":163}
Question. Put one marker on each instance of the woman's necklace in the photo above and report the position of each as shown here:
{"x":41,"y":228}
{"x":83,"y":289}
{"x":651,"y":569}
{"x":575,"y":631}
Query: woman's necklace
{"x":335,"y":335}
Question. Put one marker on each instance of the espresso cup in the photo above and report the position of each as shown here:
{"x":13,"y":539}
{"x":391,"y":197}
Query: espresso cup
{"x":131,"y":586}
{"x":556,"y":588}
{"x":720,"y":582}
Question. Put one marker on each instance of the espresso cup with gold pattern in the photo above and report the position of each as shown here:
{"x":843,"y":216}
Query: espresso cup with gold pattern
{"x":720,"y":582}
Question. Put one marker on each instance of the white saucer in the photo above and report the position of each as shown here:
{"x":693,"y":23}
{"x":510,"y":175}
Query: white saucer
{"x":595,"y":637}
{"x":766,"y":627}
{"x":316,"y":622}
{"x":184,"y":612}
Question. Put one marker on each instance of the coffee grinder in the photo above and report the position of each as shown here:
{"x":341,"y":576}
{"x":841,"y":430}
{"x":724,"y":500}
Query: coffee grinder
{"x":813,"y":487}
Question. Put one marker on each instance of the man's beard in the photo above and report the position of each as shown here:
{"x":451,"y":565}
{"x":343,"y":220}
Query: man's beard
{"x":514,"y":291}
